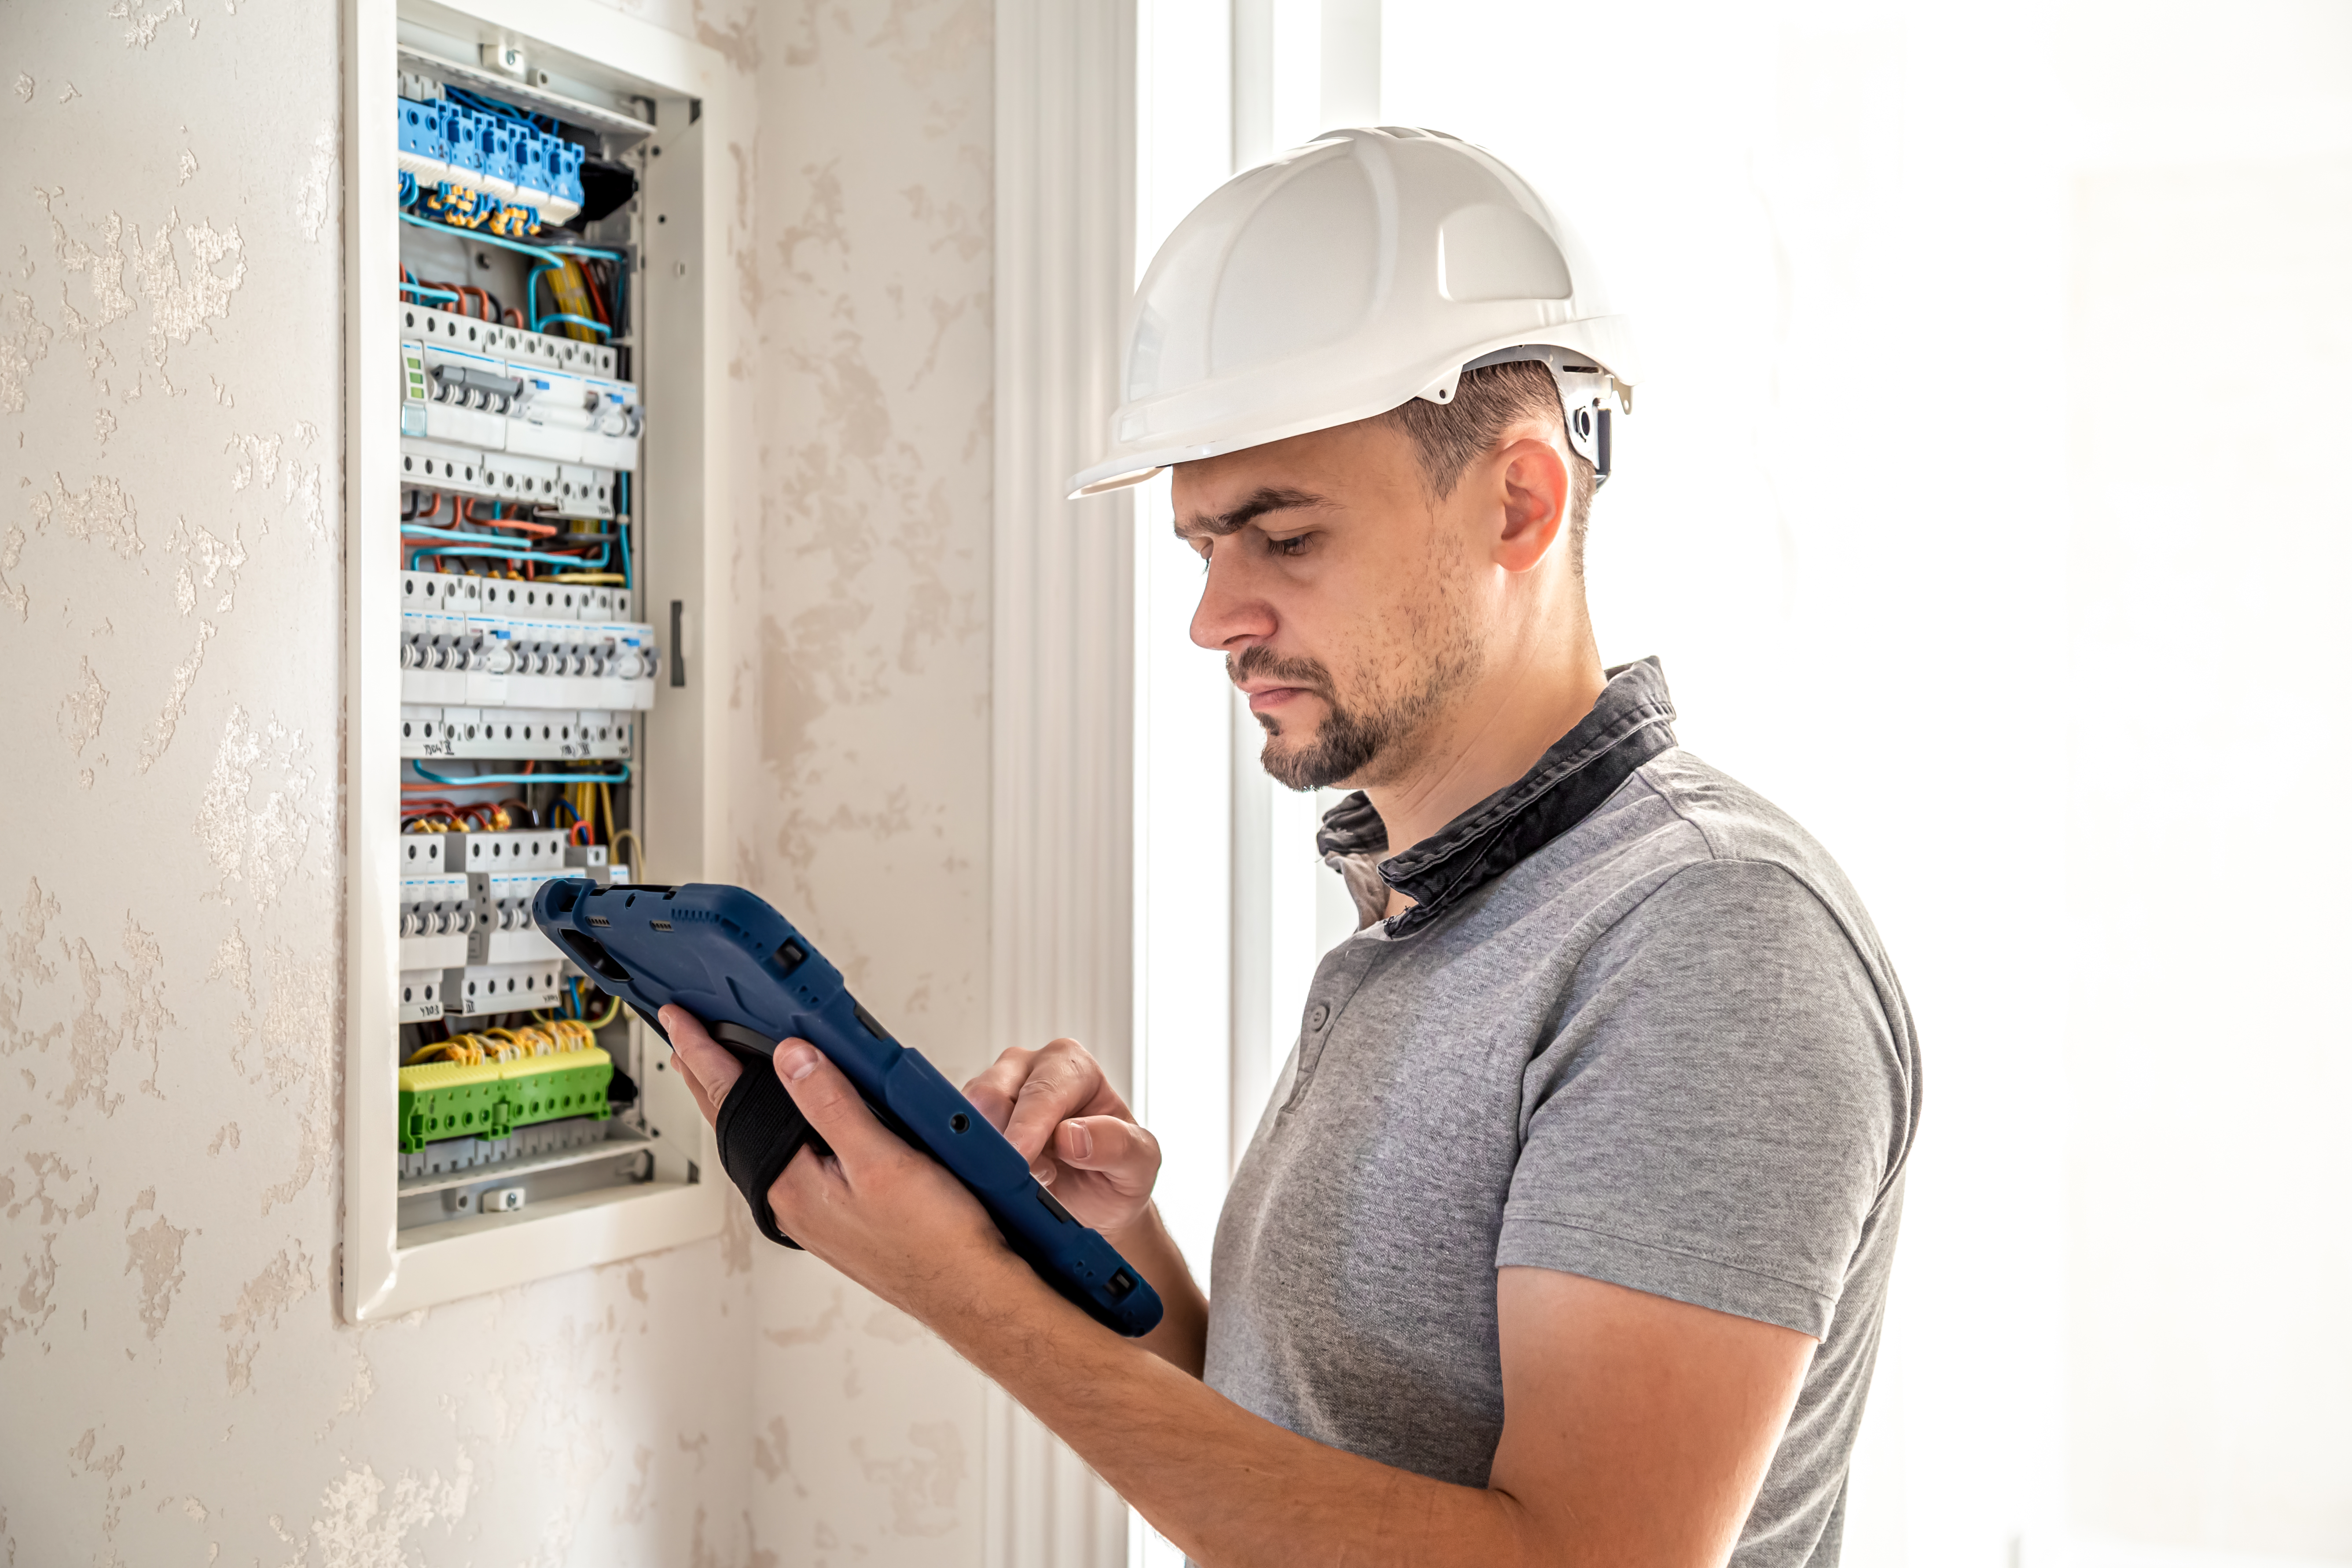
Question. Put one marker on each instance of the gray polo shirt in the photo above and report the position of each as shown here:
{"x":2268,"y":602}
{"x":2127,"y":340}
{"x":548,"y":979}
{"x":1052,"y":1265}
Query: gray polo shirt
{"x":1638,"y":1028}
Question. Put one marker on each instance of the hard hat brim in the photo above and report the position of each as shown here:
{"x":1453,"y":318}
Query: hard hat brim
{"x":1606,"y":341}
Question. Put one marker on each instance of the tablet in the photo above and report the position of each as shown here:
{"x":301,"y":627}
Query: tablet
{"x":726,"y":956}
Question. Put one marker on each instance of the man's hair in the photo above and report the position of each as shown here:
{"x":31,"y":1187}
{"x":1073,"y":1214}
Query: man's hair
{"x":1447,"y":436}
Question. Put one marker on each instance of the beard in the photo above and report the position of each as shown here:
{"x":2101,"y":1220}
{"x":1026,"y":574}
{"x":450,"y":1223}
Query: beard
{"x":1371,"y":737}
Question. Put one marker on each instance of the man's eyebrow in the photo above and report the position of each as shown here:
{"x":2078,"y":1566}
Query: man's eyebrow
{"x":1260,"y":502}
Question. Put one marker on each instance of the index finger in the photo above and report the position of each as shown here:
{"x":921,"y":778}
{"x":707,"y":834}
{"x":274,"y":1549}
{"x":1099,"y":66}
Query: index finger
{"x":709,"y":1068}
{"x":994,"y":1091}
{"x":1063,"y":1082}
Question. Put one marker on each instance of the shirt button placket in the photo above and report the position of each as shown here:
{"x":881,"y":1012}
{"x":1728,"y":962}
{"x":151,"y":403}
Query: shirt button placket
{"x":1342,"y":971}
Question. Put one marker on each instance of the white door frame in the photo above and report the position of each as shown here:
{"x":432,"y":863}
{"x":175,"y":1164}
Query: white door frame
{"x":1061,"y":775}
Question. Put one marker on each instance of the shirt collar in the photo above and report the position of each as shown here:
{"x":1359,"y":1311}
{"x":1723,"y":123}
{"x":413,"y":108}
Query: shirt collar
{"x":1632,"y":722}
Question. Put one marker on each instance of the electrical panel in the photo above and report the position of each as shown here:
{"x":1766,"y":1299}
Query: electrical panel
{"x":512,"y":1108}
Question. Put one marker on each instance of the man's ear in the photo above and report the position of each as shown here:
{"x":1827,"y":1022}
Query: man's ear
{"x":1535,"y":493}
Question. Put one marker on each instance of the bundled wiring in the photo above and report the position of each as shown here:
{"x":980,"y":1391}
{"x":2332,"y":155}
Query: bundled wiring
{"x":410,"y":284}
{"x":469,"y":545}
{"x":476,"y":780}
{"x":466,"y":513}
{"x":490,"y":238}
{"x":474,"y":101}
{"x":435,"y":815}
{"x":542,"y":1039}
{"x":530,"y":776}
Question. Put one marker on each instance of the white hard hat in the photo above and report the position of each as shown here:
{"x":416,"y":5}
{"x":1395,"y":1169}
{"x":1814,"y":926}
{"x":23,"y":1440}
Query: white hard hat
{"x":1344,"y":277}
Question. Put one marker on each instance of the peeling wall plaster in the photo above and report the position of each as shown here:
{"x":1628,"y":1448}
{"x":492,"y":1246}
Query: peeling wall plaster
{"x":178,"y":1382}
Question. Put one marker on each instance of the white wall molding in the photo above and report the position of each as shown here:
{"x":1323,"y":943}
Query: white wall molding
{"x":1061,"y":783}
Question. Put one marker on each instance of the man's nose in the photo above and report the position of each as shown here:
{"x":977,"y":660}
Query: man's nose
{"x":1231,"y":615}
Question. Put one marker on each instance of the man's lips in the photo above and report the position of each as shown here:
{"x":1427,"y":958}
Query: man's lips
{"x":1265,"y":699}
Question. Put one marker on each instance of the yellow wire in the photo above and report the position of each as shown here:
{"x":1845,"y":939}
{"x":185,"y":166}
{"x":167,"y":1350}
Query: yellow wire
{"x":544,"y":1040}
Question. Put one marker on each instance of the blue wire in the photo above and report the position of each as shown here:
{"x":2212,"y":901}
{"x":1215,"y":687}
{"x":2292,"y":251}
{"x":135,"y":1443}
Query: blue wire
{"x":620,"y":520}
{"x":427,"y":531}
{"x":573,"y":563}
{"x":591,"y":323}
{"x":431,"y":777}
{"x":483,"y":235}
{"x":487,"y":105}
{"x":407,"y":187}
{"x":531,"y":291}
{"x":503,"y":110}
{"x":434,"y":293}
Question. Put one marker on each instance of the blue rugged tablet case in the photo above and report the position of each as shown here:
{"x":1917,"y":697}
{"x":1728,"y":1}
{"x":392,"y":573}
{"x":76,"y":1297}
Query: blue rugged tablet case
{"x":727,"y":957}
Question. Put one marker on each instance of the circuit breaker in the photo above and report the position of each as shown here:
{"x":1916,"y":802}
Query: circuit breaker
{"x":516,"y":1119}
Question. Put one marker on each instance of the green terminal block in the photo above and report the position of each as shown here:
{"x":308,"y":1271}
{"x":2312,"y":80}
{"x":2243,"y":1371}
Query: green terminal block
{"x":445,"y":1100}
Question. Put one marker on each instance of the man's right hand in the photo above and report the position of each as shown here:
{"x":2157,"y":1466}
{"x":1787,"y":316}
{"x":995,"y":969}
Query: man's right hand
{"x":1079,"y":1138}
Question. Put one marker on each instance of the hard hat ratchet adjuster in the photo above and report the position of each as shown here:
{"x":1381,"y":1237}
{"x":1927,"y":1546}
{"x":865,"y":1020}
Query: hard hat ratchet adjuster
{"x":1583,"y":405}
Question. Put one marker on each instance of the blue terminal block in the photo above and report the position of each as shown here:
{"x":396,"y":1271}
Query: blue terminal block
{"x":463,"y":130}
{"x":565,"y":196}
{"x":530,"y":176}
{"x":498,"y":137}
{"x":421,"y":135}
{"x":566,"y":172}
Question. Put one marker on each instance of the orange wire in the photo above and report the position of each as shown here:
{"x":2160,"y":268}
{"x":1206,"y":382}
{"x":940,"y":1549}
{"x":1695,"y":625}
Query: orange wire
{"x":588,"y":275}
{"x":466,"y":514}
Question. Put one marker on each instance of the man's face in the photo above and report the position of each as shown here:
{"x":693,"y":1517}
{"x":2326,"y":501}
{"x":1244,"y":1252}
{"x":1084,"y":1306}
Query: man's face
{"x":1344,"y":600}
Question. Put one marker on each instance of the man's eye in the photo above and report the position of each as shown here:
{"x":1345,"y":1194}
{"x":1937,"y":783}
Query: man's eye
{"x":1295,"y":545}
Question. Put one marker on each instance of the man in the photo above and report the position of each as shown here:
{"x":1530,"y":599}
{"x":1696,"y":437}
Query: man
{"x":1565,"y":1233}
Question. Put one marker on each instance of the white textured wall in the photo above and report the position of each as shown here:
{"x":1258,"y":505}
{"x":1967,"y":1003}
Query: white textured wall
{"x":176,"y":1381}
{"x":867,"y":814}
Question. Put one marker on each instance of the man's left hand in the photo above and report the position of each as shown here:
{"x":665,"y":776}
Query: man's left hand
{"x":887,"y":1215}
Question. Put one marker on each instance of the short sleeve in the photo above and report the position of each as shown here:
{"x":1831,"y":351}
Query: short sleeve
{"x":1720,"y":1108}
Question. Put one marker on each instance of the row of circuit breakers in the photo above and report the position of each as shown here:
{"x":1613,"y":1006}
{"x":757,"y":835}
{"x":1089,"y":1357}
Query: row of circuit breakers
{"x":501,"y":648}
{"x":467,"y":945}
{"x":497,"y":667}
{"x":511,"y":415}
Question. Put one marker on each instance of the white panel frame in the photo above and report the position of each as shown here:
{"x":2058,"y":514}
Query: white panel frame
{"x":1061,"y":804}
{"x":686,"y":478}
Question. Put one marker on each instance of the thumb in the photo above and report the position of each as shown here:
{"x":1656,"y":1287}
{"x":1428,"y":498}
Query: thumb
{"x":832,"y":1103}
{"x":1124,"y":1154}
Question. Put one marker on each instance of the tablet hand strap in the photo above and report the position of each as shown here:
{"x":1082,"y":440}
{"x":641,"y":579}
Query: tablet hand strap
{"x":760,"y":1130}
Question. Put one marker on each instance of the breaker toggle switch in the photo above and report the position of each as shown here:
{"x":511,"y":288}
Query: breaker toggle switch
{"x":474,"y":388}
